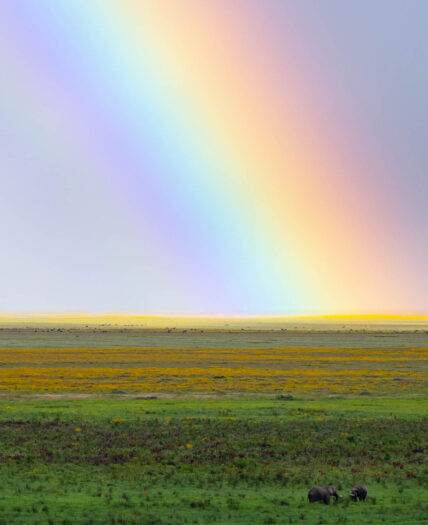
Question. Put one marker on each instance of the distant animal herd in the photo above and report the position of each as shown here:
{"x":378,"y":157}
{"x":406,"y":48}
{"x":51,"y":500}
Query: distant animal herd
{"x":325,"y":492}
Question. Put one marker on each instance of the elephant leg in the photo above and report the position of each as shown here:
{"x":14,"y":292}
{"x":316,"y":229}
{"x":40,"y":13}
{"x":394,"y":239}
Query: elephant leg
{"x":327,"y":499}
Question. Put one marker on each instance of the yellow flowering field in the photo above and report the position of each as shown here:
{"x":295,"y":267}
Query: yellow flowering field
{"x":215,"y":379}
{"x":270,"y":370}
{"x":281,"y":357}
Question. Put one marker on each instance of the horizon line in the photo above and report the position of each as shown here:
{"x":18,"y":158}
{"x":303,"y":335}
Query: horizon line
{"x":409,"y":316}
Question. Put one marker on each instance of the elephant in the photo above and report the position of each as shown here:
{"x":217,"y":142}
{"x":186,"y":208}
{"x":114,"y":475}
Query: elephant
{"x":358,"y":492}
{"x":322,"y":494}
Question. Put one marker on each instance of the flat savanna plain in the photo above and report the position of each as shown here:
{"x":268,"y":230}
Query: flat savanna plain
{"x":211,"y":426}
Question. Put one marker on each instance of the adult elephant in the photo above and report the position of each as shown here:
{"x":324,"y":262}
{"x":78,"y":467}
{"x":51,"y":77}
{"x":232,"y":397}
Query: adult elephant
{"x":322,"y":493}
{"x":358,"y":492}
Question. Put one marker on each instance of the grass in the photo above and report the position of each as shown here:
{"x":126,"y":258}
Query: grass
{"x":292,"y":336}
{"x":276,"y":408}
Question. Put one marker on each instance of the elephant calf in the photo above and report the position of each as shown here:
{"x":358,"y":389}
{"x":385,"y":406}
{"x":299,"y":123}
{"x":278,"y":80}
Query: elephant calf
{"x":322,"y":494}
{"x":358,"y":492}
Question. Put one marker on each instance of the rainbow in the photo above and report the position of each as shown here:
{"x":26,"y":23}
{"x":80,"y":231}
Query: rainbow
{"x":196,"y":157}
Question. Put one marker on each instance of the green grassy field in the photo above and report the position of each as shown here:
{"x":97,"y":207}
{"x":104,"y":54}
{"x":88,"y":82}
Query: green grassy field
{"x":241,"y":460}
{"x":107,"y":337}
{"x":204,"y":457}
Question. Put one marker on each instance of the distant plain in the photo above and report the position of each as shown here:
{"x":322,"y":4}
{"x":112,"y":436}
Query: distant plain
{"x":193,"y":423}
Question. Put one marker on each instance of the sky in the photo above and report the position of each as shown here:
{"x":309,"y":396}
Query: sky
{"x":206,"y":157}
